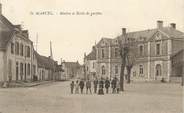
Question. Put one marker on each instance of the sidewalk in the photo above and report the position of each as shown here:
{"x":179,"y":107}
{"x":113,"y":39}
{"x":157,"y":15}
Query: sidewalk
{"x":26,"y":84}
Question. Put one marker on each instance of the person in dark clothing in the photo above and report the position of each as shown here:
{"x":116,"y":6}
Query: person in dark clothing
{"x":81,"y":84}
{"x":72,"y":86}
{"x":113,"y":85}
{"x":95,"y":82}
{"x":88,"y":86}
{"x":101,"y":86}
{"x":107,"y":85}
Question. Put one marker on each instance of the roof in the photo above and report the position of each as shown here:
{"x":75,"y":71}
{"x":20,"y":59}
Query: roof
{"x":181,"y":52}
{"x":71,"y":64}
{"x":147,"y":34}
{"x":91,"y":55}
{"x":107,"y":40}
{"x":5,"y":36}
{"x":45,"y":62}
{"x":6,"y":21}
{"x":7,"y":33}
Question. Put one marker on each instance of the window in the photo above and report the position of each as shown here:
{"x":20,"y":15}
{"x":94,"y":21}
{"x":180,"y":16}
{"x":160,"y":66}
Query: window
{"x":10,"y":67}
{"x":93,"y":65}
{"x":140,"y":69}
{"x":21,"y":49}
{"x":17,"y":70}
{"x":87,"y":68}
{"x":17,"y":48}
{"x":28,"y":51}
{"x":34,"y":69}
{"x":157,"y":49}
{"x":21,"y":70}
{"x":28,"y":69}
{"x":12,"y":48}
{"x":116,"y":52}
{"x":141,"y":50}
{"x":103,"y":70}
{"x":103,"y":54}
{"x":116,"y":69}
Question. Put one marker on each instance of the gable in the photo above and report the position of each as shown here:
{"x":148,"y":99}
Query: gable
{"x":104,"y":42}
{"x":159,"y":35}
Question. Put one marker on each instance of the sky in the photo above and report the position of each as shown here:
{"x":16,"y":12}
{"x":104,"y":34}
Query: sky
{"x":73,"y":35}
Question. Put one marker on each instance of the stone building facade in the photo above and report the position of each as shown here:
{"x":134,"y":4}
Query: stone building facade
{"x":16,"y":52}
{"x":71,"y":70}
{"x":153,"y":49}
{"x":90,"y":64}
{"x":18,"y":59}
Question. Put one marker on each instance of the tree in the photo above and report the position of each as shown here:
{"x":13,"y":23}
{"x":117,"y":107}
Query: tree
{"x":123,"y":53}
{"x":130,"y":57}
{"x":127,"y":53}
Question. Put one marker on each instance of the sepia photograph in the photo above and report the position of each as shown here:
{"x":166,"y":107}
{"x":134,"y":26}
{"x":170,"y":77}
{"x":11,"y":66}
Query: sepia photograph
{"x":91,"y":56}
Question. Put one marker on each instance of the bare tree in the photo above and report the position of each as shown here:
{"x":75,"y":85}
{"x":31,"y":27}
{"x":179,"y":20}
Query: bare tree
{"x":130,"y":58}
{"x":123,"y":53}
{"x":127,"y":53}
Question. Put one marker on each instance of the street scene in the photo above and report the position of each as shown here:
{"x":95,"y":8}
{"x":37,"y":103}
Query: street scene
{"x":56,"y":98}
{"x":81,"y":57}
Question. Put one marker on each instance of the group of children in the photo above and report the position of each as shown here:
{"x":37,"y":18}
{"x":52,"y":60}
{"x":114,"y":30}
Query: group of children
{"x":98,"y":86}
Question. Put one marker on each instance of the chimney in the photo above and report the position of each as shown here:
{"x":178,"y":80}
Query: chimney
{"x":159,"y":24}
{"x":18,"y":27}
{"x":173,"y":25}
{"x":0,"y":9}
{"x":25,"y":33}
{"x":123,"y":31}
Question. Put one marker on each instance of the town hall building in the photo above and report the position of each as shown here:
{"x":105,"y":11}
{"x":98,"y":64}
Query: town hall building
{"x":153,"y":52}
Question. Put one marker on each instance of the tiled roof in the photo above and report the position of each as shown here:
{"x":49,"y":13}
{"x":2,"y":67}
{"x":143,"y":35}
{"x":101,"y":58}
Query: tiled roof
{"x":147,"y":34}
{"x":5,"y":36}
{"x":45,"y":62}
{"x":72,"y":64}
{"x":91,"y":55}
{"x":179,"y":52}
{"x":6,"y":21}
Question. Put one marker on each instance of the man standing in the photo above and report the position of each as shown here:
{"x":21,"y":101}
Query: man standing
{"x":101,"y":86}
{"x":113,"y":85}
{"x":81,"y":84}
{"x":95,"y":82}
{"x":88,"y":86}
{"x":107,"y":85}
{"x":72,"y":86}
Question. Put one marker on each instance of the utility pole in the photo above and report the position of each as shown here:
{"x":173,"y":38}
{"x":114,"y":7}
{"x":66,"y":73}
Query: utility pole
{"x":51,"y":55}
{"x":36,"y":44}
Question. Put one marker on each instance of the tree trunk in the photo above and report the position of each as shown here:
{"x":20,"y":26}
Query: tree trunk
{"x":128,"y":74}
{"x":122,"y":77}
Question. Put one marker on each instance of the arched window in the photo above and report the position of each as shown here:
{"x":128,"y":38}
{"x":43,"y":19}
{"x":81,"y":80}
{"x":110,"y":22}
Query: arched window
{"x":141,"y":50}
{"x":103,"y":70}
